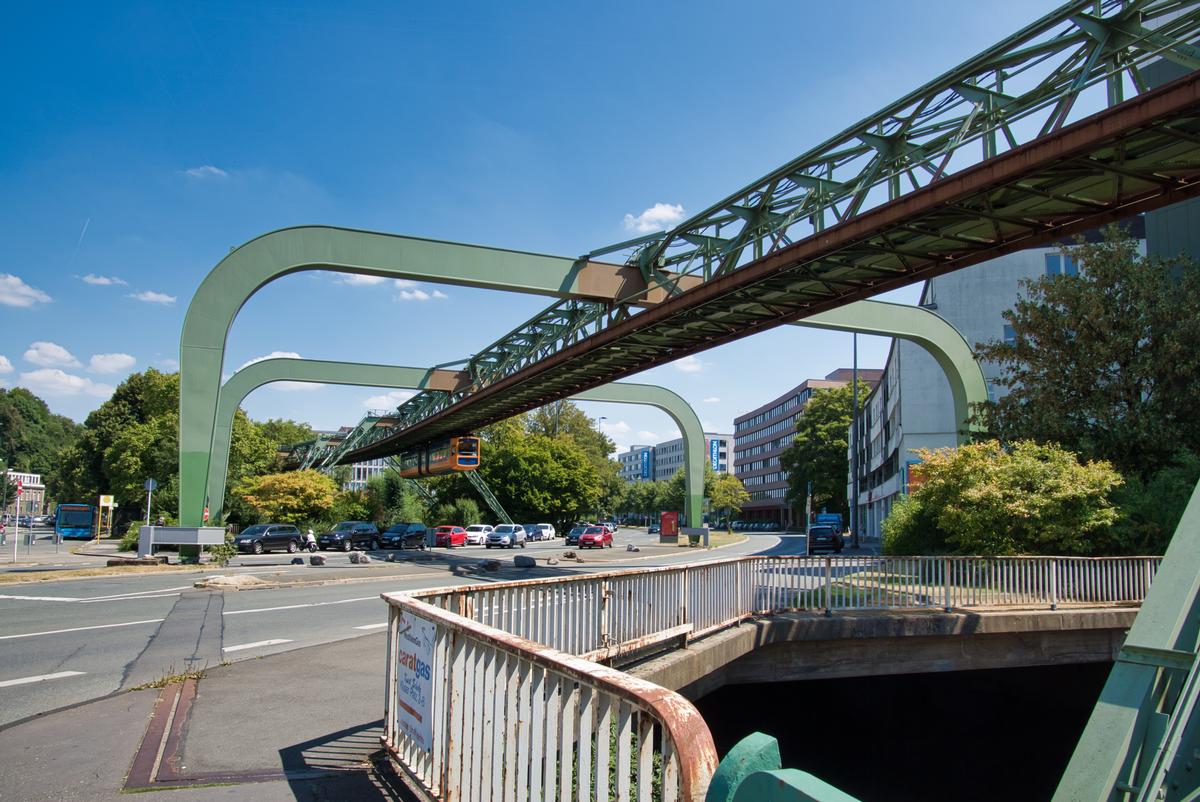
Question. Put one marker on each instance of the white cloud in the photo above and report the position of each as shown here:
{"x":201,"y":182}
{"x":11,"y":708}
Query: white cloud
{"x":439,"y":294}
{"x":169,"y":364}
{"x":388,"y":401}
{"x":414,"y":295}
{"x":649,"y":438}
{"x":404,"y":283}
{"x":53,"y":382}
{"x":356,"y":280}
{"x":658,"y":217}
{"x":15,"y":292}
{"x":151,"y":297}
{"x":712,"y":399}
{"x":615,"y":427}
{"x":5,"y":365}
{"x":205,"y":171}
{"x":689,"y":364}
{"x":110,"y":363}
{"x":287,"y":387}
{"x":50,"y":355}
{"x":103,"y":281}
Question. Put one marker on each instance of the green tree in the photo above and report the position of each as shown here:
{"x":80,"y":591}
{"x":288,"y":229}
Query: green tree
{"x":1105,"y":362}
{"x":819,"y":454}
{"x":460,"y":512}
{"x":349,"y":505}
{"x":291,"y":498}
{"x":393,"y":500}
{"x":31,"y":437}
{"x":565,"y":419}
{"x":984,"y":499}
{"x":728,"y":494}
{"x":671,"y":493}
{"x":540,"y":478}
{"x":283,"y":432}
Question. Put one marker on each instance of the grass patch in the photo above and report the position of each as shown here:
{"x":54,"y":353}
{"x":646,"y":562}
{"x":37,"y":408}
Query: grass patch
{"x":171,"y":679}
{"x":716,"y":537}
{"x":21,"y":577}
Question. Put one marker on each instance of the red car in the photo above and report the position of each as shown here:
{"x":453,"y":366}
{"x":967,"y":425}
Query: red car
{"x":450,"y":536}
{"x":595,"y":537}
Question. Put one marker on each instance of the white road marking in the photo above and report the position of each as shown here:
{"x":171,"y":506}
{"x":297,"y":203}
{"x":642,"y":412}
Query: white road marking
{"x":40,"y":678}
{"x":82,"y":629}
{"x":373,"y":626}
{"x":40,"y":598}
{"x":128,"y":598}
{"x":134,"y":593}
{"x":138,"y":594}
{"x":255,"y":645}
{"x":299,"y":606}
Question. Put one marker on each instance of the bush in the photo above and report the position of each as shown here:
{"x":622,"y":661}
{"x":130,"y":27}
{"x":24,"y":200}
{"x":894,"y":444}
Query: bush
{"x":1031,"y":498}
{"x":463,"y":512}
{"x":130,"y":541}
{"x":1151,"y":509}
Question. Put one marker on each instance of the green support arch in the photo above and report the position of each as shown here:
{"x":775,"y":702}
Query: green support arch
{"x":926,"y":329}
{"x":312,"y":370}
{"x":240,"y":274}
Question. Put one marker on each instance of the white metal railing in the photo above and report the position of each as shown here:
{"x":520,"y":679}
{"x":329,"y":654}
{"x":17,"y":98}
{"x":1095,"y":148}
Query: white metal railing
{"x":475,"y":713}
{"x":491,"y":692}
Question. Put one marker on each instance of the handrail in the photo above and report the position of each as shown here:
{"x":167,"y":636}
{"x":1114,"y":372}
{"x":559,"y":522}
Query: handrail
{"x":518,"y":686}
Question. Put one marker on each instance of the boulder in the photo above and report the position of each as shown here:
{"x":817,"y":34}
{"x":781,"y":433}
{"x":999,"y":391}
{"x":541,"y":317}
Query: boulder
{"x":551,"y":561}
{"x":522,"y":561}
{"x":632,"y":547}
{"x":297,"y":561}
{"x":489,"y":565}
{"x":359,"y":558}
{"x":569,"y":555}
{"x":390,"y":558}
{"x":316,"y":559}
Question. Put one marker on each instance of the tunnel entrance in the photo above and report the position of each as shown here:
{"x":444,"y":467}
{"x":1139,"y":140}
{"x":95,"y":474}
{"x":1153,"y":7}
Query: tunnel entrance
{"x":985,"y":735}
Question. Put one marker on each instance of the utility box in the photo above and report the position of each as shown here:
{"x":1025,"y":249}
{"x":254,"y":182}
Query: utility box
{"x":670,"y":528}
{"x":151,"y":536}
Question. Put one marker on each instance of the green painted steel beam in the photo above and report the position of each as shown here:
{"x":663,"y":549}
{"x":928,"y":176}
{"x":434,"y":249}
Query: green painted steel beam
{"x":255,"y":375}
{"x":929,"y":331}
{"x":242,"y":383}
{"x":996,"y":105}
{"x":1129,"y":725}
{"x":247,"y":268}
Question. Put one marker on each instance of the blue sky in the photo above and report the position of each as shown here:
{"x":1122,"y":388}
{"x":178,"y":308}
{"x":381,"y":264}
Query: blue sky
{"x":143,"y":140}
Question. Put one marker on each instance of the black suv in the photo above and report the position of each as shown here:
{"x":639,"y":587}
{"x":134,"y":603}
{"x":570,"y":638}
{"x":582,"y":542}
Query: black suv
{"x":824,"y":538}
{"x":268,"y":537}
{"x":404,"y":536}
{"x":350,"y":534}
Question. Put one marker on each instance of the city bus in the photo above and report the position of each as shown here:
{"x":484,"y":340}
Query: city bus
{"x":441,"y":457}
{"x":74,"y":521}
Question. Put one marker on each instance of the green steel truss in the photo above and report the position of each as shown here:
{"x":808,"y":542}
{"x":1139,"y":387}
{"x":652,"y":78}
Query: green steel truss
{"x":903,"y":195}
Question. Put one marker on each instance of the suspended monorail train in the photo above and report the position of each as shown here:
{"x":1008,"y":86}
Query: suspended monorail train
{"x":441,"y":457}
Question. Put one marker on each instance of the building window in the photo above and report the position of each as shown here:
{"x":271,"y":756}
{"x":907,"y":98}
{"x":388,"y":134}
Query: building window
{"x":1057,"y":264}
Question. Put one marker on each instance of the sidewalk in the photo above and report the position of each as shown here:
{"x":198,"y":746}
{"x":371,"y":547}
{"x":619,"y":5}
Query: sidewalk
{"x":296,"y":725}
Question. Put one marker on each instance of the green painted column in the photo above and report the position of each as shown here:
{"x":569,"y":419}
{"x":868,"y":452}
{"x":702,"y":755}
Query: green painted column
{"x":687,"y":421}
{"x":242,"y":383}
{"x":240,"y":274}
{"x":926,"y":329}
{"x":312,"y":370}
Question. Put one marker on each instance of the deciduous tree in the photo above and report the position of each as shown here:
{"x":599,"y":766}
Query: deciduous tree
{"x":293,"y":498}
{"x":819,"y":454}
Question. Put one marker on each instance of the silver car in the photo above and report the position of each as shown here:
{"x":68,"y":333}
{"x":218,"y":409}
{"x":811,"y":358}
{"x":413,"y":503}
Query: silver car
{"x":506,"y":536}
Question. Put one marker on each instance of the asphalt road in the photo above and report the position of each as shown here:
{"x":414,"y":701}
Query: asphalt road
{"x":69,"y":641}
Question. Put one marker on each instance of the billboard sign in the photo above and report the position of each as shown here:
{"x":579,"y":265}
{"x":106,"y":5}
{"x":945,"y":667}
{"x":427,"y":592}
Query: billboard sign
{"x":414,"y":678}
{"x":714,"y":454}
{"x":646,"y":463}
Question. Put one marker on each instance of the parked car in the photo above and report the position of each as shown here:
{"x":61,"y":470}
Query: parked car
{"x":450,"y":536}
{"x":506,"y":536}
{"x":573,"y":536}
{"x":532,"y":532}
{"x":596,"y":537}
{"x":404,"y":536}
{"x":654,"y":529}
{"x":269,"y":537}
{"x":347,"y":535}
{"x":824,"y":538}
{"x":547,"y":531}
{"x":477,"y":534}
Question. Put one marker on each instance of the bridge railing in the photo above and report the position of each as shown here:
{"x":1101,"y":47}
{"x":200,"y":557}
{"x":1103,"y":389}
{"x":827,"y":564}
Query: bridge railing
{"x":476,"y":713}
{"x":512,"y":699}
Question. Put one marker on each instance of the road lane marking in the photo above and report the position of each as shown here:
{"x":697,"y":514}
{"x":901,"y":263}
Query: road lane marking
{"x":255,"y":645}
{"x":299,"y":606}
{"x":373,"y":626}
{"x":128,"y":598}
{"x":40,"y":598}
{"x":82,"y":629}
{"x":134,"y":593}
{"x":40,"y":678}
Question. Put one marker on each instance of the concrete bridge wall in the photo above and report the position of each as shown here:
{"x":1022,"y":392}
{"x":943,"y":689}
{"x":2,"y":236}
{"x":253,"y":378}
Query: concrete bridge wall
{"x":799,"y":646}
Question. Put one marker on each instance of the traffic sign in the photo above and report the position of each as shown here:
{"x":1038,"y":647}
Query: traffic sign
{"x":151,"y":485}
